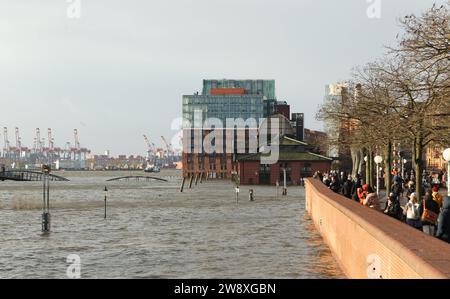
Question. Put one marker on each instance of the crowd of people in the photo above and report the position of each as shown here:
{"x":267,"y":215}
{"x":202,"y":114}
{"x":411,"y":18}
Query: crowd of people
{"x":430,"y":214}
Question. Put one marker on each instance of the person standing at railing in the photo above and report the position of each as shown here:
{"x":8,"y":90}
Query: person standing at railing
{"x":429,"y":211}
{"x":411,"y":211}
{"x":372,"y":201}
{"x":443,"y":230}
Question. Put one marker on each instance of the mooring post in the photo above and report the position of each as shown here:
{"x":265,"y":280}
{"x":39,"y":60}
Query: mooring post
{"x":106,"y":195}
{"x":196,"y":178}
{"x":182,"y":184}
{"x":190,"y":181}
{"x":201,"y":177}
{"x":237,"y":194}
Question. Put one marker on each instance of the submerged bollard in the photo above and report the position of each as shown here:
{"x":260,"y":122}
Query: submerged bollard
{"x":250,"y":195}
{"x":182,"y":185}
{"x":106,"y":194}
{"x":191,"y":180}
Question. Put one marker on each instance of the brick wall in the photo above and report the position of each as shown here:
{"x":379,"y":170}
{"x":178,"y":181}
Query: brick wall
{"x":369,"y":244}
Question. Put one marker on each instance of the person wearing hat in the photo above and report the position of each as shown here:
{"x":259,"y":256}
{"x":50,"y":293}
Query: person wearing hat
{"x":411,"y":211}
{"x":437,"y":197}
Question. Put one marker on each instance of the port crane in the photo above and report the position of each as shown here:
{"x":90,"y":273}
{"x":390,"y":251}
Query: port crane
{"x":150,"y":148}
{"x":169,"y":150}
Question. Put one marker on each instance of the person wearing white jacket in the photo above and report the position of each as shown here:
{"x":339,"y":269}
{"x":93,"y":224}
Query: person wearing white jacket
{"x":411,"y":211}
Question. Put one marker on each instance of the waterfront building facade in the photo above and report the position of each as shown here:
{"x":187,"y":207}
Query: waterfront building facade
{"x":232,"y":121}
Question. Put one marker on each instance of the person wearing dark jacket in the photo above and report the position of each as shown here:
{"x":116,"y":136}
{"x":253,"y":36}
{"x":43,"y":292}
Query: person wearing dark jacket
{"x":432,"y":206}
{"x":347,"y":187}
{"x":334,"y":186}
{"x":397,"y":189}
{"x":357,"y":183}
{"x":443,"y":230}
{"x":393,"y":207}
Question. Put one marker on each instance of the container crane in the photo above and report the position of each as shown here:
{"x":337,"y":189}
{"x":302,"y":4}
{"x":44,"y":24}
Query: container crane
{"x":169,"y":151}
{"x":6,"y":146}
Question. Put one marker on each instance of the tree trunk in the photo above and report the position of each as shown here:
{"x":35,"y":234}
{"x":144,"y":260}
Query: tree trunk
{"x":371,"y":168}
{"x":387,"y":167}
{"x":418,"y":165}
{"x":354,"y":155}
{"x":361,"y":159}
{"x":367,"y":178}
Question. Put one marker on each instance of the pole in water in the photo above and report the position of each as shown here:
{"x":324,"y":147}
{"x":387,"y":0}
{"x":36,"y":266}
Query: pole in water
{"x":182,"y":184}
{"x":191,"y":180}
{"x":237,"y":194}
{"x":106,"y":194}
{"x":46,"y":218}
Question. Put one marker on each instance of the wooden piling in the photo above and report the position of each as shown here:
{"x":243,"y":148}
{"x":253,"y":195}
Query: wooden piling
{"x":196,"y":178}
{"x":182,"y":184}
{"x":191,"y":180}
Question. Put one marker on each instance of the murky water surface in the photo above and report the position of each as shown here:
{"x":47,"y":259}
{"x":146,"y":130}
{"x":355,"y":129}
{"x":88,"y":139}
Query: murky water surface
{"x":154,"y":231}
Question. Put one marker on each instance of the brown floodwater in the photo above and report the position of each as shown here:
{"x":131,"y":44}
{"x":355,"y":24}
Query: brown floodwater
{"x":154,"y":231}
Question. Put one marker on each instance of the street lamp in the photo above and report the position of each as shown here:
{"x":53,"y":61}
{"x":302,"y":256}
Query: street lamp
{"x":378,"y":160}
{"x":446,"y":155}
{"x":106,"y":195}
{"x":404,"y":161}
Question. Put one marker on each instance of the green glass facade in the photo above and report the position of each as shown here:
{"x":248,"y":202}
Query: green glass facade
{"x":223,"y":107}
{"x":257,"y":102}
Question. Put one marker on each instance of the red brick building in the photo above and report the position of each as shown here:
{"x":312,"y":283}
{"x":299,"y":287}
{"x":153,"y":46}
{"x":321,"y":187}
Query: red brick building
{"x":294,"y":156}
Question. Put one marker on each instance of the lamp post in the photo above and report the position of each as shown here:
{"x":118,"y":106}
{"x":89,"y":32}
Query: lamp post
{"x":106,"y":194}
{"x":404,"y":161}
{"x":446,"y":155}
{"x":378,"y":160}
{"x":46,"y":218}
{"x":366,"y":160}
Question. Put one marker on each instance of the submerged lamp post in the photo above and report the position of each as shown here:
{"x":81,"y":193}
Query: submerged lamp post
{"x":446,"y":155}
{"x":106,"y":194}
{"x":46,"y":218}
{"x":378,"y":160}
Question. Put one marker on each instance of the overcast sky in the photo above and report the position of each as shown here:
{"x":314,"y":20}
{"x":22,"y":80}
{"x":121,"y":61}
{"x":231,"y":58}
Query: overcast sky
{"x":119,"y":70}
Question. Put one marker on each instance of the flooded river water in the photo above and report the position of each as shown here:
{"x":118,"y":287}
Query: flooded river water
{"x":154,"y":231}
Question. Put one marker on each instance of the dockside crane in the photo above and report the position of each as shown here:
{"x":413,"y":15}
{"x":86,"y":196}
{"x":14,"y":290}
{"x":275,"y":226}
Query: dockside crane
{"x":6,"y":146}
{"x":169,"y":150}
{"x":150,"y":148}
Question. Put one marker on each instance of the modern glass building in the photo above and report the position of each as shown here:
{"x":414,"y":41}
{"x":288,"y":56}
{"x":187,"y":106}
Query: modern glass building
{"x":223,"y":107}
{"x":223,"y":99}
